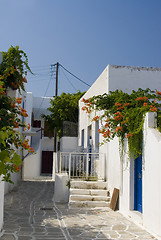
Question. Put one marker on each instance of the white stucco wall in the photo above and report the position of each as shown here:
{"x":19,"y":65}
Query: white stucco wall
{"x":131,"y":78}
{"x":68,"y":144}
{"x":28,"y":100}
{"x":152,"y":179}
{"x":40,"y":105}
{"x":32,"y":164}
{"x":47,"y":144}
{"x":1,"y":202}
{"x":118,"y":77}
{"x":113,"y":165}
{"x":120,"y":175}
{"x":15,"y":177}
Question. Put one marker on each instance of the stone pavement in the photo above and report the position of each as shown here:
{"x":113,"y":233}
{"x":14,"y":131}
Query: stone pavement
{"x":31,"y":214}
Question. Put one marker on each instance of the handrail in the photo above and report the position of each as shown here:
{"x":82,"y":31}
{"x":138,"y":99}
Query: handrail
{"x":78,"y":164}
{"x":41,"y":129}
{"x":81,"y":153}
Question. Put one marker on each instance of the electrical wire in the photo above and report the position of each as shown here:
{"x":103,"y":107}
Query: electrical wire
{"x":74,"y":76}
{"x":69,"y":80}
{"x":52,"y":74}
{"x":45,"y":92}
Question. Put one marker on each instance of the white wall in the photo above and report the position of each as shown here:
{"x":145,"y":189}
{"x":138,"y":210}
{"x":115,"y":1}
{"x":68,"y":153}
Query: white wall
{"x":1,"y":202}
{"x":32,"y":164}
{"x":40,"y":105}
{"x":121,"y":174}
{"x":43,"y":102}
{"x":152,"y":179}
{"x":113,"y":165}
{"x":47,"y":144}
{"x":28,"y":99}
{"x":68,"y":144}
{"x":131,"y":78}
{"x":15,"y":177}
{"x":118,"y":77}
{"x":100,"y":86}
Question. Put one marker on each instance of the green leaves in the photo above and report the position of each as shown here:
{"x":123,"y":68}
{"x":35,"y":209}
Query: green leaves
{"x":63,"y":108}
{"x":16,"y":159}
{"x":124,"y":115}
{"x":5,"y":156}
{"x":11,"y":75}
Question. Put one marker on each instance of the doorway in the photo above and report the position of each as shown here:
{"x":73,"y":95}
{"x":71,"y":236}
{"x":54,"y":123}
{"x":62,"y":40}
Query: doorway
{"x":47,"y":162}
{"x":138,"y":184}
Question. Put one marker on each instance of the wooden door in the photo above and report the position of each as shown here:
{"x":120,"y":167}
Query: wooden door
{"x":47,"y":162}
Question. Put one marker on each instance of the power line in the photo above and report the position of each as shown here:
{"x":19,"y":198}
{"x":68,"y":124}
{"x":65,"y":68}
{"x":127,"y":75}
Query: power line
{"x":74,"y":76}
{"x":69,"y":80}
{"x":52,"y":72}
{"x":41,"y":72}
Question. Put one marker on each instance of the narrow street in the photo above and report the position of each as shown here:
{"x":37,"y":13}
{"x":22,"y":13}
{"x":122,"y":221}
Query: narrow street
{"x":31,"y":214}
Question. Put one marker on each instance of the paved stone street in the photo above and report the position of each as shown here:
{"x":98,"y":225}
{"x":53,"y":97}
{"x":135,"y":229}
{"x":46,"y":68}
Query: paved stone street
{"x":31,"y":214}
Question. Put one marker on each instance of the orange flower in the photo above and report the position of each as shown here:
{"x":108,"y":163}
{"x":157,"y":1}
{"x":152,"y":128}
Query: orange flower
{"x":153,"y":108}
{"x":106,"y":125}
{"x":106,"y":134}
{"x":144,"y":104}
{"x":95,"y":118}
{"x":16,"y":168}
{"x":120,"y":108}
{"x":118,"y":104}
{"x":126,"y":104}
{"x":141,"y":99}
{"x":157,"y":92}
{"x":119,"y":128}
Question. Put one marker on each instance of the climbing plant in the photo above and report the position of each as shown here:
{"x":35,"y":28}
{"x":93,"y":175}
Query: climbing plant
{"x":13,"y":67}
{"x":122,"y":115}
{"x":11,"y":71}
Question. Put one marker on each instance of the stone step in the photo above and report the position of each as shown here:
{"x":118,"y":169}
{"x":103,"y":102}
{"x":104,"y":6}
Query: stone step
{"x":92,"y":192}
{"x":88,"y":185}
{"x":88,"y":204}
{"x":88,"y":198}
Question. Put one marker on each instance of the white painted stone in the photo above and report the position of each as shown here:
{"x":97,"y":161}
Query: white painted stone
{"x":88,"y":185}
{"x":32,"y":165}
{"x":61,"y":191}
{"x":92,"y":192}
{"x":89,"y":204}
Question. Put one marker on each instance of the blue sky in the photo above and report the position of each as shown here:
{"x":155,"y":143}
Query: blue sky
{"x":83,"y":35}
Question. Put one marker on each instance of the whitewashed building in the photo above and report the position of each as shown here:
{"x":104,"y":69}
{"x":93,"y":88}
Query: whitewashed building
{"x":41,"y":163}
{"x":141,"y":201}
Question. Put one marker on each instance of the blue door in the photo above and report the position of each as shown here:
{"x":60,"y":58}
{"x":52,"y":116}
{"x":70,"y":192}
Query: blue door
{"x":138,"y":184}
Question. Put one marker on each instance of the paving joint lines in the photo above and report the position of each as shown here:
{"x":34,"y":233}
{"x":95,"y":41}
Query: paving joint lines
{"x":32,"y":214}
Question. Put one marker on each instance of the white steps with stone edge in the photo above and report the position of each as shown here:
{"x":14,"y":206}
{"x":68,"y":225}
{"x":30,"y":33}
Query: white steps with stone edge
{"x":88,"y":194}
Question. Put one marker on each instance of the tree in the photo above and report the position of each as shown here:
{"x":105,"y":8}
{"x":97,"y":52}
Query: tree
{"x":63,"y":108}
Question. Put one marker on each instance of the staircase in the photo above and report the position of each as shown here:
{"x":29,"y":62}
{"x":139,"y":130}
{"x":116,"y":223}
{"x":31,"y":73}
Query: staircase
{"x":88,"y":194}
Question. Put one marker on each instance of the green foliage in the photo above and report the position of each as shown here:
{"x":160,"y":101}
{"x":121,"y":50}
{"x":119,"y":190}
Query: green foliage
{"x":11,"y":75}
{"x":63,"y":108}
{"x":12,"y":68}
{"x":124,"y":115}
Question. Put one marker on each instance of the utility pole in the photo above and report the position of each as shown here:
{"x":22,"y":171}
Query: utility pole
{"x":56,"y":94}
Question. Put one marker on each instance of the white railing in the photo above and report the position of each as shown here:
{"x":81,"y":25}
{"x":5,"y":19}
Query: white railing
{"x":80,"y":165}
